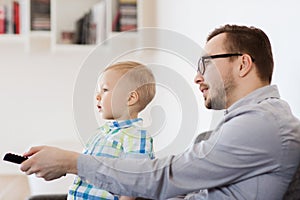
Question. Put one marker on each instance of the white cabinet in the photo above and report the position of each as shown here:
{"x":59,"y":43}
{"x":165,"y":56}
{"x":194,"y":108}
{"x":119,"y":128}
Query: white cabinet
{"x":69,"y":25}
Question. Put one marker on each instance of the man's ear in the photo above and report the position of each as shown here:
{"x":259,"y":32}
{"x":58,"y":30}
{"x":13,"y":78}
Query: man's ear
{"x":133,"y":98}
{"x":246,"y":65}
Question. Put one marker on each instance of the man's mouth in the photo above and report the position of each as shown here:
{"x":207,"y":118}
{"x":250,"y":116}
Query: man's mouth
{"x":204,"y":90}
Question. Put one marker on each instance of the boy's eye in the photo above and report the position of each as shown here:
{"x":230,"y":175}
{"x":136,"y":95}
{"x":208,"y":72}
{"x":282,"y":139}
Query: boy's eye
{"x":104,"y":89}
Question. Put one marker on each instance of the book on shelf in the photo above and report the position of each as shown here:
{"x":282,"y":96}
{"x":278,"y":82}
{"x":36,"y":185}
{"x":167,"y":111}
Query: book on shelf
{"x":9,"y":19}
{"x":85,"y":36}
{"x":2,"y":19}
{"x":126,"y":16}
{"x":13,"y":18}
{"x":91,"y":27}
{"x":129,"y":27}
{"x":40,"y":11}
{"x":128,"y":1}
{"x":128,"y":9}
{"x":78,"y":31}
{"x":16,"y":17}
{"x":116,"y":22}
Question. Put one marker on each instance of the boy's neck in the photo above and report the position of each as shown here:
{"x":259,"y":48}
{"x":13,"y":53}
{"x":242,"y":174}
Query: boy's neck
{"x":122,"y":118}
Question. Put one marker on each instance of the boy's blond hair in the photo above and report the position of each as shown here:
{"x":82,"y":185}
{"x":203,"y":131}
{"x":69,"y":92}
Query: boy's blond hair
{"x":141,"y":77}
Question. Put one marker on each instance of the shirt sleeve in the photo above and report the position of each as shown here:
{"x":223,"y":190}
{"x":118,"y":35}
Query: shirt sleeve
{"x":233,"y":153}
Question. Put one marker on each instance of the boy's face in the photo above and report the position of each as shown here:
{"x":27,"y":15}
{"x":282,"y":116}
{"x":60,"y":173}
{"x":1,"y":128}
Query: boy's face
{"x":112,"y":97}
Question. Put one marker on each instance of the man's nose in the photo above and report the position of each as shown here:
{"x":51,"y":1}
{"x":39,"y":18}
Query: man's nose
{"x":198,"y":78}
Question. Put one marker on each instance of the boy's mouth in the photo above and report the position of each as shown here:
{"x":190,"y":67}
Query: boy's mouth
{"x":99,"y":108}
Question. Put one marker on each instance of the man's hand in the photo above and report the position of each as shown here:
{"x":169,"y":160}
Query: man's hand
{"x":49,"y":162}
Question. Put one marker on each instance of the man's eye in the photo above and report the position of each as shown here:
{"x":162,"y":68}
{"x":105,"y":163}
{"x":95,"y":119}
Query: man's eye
{"x":207,"y":61}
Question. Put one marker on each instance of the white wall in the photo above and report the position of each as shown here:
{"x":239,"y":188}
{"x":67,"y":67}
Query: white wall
{"x":279,"y":19}
{"x":36,"y":88}
{"x":36,"y":99}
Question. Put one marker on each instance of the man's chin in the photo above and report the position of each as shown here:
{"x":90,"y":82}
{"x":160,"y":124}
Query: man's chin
{"x":207,"y":103}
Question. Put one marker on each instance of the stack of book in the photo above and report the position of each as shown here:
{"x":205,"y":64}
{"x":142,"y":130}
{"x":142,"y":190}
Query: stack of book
{"x":126,"y":16}
{"x":40,"y":15}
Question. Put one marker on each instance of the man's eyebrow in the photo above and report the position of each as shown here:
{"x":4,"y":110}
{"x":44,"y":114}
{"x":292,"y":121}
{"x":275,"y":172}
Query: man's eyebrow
{"x":205,"y":56}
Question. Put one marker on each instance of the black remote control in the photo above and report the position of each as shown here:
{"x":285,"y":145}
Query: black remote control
{"x":14,"y":158}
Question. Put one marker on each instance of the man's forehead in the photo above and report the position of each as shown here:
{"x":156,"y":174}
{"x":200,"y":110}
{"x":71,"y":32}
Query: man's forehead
{"x":215,"y":45}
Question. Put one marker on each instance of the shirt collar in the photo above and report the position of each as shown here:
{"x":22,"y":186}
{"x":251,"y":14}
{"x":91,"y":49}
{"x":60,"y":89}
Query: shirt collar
{"x":257,"y":96}
{"x":125,"y":123}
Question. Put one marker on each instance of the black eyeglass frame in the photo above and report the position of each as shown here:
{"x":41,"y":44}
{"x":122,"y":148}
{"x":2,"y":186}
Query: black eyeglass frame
{"x":226,"y":55}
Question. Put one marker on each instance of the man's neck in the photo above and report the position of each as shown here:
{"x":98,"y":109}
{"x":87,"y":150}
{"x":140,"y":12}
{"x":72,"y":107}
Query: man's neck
{"x":243,"y":90}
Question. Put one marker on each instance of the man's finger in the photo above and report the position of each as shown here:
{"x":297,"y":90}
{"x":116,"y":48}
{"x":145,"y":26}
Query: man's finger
{"x":25,"y":166}
{"x":33,"y":150}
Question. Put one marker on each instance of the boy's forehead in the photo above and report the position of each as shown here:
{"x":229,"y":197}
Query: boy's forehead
{"x":113,"y":72}
{"x":111,"y":77}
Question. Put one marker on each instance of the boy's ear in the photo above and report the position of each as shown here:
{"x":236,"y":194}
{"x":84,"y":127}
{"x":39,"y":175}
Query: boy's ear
{"x":133,"y":98}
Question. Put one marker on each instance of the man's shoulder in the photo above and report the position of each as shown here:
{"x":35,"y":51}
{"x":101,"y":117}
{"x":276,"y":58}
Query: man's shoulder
{"x":203,"y":136}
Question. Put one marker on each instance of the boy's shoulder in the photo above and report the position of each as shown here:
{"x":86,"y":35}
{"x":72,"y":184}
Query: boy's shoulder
{"x":135,"y":132}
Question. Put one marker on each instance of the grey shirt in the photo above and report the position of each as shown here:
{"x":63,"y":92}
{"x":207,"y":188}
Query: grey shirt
{"x":252,"y":154}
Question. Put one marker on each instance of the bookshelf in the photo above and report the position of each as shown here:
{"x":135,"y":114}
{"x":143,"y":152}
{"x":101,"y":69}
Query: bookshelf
{"x":14,"y":16}
{"x":66,"y":24}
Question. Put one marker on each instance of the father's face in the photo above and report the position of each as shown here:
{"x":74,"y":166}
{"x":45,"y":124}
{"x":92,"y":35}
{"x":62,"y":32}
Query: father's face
{"x":217,"y":80}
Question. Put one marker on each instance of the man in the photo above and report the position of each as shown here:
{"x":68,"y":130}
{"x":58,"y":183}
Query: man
{"x":252,"y":154}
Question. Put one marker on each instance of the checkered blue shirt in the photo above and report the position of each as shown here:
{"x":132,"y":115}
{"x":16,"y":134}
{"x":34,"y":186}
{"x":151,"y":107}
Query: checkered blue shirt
{"x":115,"y":139}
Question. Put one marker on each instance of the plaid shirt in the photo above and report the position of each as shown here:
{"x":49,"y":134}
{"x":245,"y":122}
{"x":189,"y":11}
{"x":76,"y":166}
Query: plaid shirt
{"x":116,"y":139}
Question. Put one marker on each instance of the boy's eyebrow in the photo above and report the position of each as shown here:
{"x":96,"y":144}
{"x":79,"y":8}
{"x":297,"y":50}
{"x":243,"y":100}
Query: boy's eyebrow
{"x":105,"y":85}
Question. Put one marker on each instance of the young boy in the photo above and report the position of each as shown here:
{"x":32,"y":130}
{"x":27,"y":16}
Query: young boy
{"x":126,"y":88}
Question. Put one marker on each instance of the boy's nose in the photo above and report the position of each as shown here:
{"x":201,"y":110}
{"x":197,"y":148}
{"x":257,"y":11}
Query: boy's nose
{"x":98,"y":97}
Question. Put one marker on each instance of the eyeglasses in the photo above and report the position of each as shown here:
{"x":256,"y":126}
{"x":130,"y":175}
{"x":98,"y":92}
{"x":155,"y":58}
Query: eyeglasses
{"x":203,"y":60}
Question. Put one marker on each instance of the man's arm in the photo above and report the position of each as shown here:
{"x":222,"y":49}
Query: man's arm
{"x":50,"y":162}
{"x":230,"y":155}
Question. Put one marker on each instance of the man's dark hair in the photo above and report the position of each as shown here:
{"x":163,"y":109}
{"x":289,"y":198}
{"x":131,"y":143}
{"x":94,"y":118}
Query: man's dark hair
{"x":252,"y":41}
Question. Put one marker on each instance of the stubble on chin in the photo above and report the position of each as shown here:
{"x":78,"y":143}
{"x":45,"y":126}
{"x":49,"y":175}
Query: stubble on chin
{"x":216,"y":99}
{"x":207,"y":102}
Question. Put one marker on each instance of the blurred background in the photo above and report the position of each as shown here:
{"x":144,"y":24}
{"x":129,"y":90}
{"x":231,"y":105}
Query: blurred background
{"x":43,"y":44}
